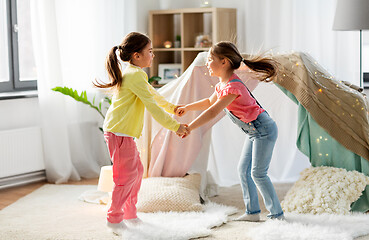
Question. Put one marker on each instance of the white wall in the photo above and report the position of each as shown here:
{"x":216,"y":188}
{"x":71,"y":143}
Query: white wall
{"x":143,"y":8}
{"x":19,"y":113}
{"x":365,"y":53}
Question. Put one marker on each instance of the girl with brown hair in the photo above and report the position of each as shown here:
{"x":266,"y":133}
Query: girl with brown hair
{"x":124,"y":121}
{"x":232,"y":95}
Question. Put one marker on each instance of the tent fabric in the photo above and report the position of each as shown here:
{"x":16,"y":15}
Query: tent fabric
{"x":333,"y":122}
{"x":323,"y":150}
{"x":339,"y":109}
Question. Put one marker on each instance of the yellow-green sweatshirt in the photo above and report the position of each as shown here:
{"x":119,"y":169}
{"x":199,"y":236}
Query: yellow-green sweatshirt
{"x":126,"y":112}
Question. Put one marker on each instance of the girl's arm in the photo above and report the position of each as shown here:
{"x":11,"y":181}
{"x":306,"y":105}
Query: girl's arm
{"x":199,"y":105}
{"x":212,"y":111}
{"x":161,"y":101}
{"x":137,"y":83}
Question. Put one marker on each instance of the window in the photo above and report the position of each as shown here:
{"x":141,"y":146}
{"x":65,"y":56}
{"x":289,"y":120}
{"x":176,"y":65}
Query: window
{"x":17,"y":63}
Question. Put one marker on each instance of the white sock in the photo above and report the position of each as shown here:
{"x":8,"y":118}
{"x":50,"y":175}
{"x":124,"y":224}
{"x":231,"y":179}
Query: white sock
{"x":116,"y":228}
{"x":249,"y":217}
{"x":133,"y":222}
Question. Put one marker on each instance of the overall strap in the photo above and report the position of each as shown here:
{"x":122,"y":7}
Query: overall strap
{"x":238,"y":80}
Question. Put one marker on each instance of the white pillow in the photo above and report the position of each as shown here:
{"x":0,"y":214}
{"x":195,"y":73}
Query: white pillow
{"x":166,"y":194}
{"x":325,"y":190}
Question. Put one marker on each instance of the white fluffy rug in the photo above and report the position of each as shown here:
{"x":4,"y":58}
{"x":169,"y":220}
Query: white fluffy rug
{"x":172,"y":225}
{"x":317,"y":227}
{"x":54,"y":212}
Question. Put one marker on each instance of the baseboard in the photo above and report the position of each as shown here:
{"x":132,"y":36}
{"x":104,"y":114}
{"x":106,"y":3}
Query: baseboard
{"x":22,"y":179}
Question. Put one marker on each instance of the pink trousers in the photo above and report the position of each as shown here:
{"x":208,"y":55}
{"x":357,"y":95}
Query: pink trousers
{"x":127,"y":177}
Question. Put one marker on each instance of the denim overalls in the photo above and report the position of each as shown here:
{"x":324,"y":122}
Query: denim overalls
{"x":255,"y":159}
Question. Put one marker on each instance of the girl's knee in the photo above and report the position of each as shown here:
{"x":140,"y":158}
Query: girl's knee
{"x":243,"y":173}
{"x":259,"y":175}
{"x":126,"y":179}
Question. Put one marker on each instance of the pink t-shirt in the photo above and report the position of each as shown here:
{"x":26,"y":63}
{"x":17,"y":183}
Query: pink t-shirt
{"x":244,"y":106}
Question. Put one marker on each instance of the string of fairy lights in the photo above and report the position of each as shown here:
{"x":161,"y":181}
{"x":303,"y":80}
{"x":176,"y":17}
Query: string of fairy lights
{"x":357,"y":109}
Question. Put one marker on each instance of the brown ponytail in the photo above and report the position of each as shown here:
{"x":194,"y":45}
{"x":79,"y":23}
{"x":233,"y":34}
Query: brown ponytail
{"x":266,"y":66}
{"x":132,"y":43}
{"x":112,"y":65}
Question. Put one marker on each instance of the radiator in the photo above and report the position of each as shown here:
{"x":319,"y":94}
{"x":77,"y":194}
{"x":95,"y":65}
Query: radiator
{"x":21,"y":156}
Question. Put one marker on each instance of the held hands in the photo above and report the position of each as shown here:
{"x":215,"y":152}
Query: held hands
{"x":183,"y":130}
{"x":188,"y":131}
{"x":180,"y":110}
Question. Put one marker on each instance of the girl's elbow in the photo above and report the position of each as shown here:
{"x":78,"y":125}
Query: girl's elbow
{"x":209,"y":103}
{"x":213,"y":113}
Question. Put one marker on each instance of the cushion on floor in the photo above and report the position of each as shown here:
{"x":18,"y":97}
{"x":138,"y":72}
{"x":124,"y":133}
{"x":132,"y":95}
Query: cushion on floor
{"x":166,"y":194}
{"x":325,"y":190}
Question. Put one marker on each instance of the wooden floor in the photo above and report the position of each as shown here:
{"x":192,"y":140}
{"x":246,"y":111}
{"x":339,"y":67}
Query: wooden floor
{"x":10,"y":195}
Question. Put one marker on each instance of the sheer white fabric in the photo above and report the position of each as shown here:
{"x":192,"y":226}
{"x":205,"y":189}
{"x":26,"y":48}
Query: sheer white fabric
{"x":72,"y":39}
{"x":303,"y":26}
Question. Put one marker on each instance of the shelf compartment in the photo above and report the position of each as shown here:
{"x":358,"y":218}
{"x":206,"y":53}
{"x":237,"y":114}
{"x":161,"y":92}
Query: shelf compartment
{"x":163,"y":28}
{"x":194,"y":24}
{"x":164,"y":57}
{"x":188,"y":57}
{"x":165,"y":25}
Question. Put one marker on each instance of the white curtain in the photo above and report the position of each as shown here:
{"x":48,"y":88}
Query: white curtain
{"x":303,"y":26}
{"x":71,"y":41}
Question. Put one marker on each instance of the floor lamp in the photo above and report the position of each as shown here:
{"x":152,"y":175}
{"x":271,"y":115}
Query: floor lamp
{"x":352,"y":15}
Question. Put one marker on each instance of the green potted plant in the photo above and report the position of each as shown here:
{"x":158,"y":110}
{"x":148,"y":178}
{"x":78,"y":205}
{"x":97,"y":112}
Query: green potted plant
{"x":177,"y":42}
{"x":82,"y":97}
{"x":154,"y":80}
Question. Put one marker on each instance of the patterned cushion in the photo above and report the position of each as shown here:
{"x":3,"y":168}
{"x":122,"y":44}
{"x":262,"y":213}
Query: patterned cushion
{"x":325,"y":190}
{"x":166,"y":194}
